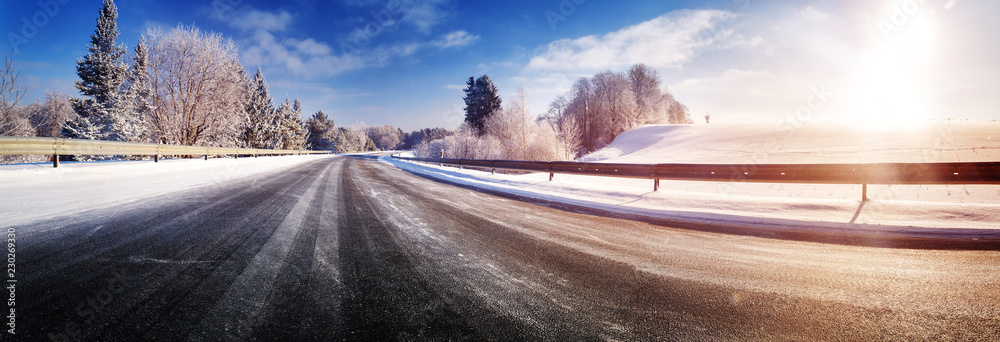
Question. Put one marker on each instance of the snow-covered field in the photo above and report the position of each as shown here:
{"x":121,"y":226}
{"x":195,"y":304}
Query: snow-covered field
{"x":30,"y":192}
{"x":899,"y":207}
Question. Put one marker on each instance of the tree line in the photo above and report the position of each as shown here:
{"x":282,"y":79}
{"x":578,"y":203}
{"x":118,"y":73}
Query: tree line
{"x":595,"y":111}
{"x":182,"y":86}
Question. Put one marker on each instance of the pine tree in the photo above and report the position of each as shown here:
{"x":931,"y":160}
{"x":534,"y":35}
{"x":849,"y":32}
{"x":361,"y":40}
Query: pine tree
{"x":482,"y":100}
{"x":102,"y":73}
{"x":260,"y":127}
{"x":320,"y":130}
{"x":281,"y":115}
{"x":292,"y":134}
{"x":130,"y":124}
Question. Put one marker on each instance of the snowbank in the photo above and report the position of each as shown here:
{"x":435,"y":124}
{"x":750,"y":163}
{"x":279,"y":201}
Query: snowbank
{"x":818,"y":142}
{"x":891,"y":207}
{"x":31,"y":192}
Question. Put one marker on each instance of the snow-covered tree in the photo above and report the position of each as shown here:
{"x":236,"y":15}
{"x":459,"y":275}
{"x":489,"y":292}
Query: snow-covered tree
{"x":54,"y":112}
{"x":609,"y":103}
{"x":132,"y":124}
{"x":513,"y":133}
{"x":615,"y":103}
{"x":320,"y":132}
{"x":260,"y":127}
{"x":353,"y":139}
{"x":420,"y":136}
{"x":102,"y":73}
{"x":199,"y":85}
{"x":11,"y":121}
{"x":292,"y":135}
{"x":582,"y":107}
{"x":644,"y":82}
{"x":386,"y":137}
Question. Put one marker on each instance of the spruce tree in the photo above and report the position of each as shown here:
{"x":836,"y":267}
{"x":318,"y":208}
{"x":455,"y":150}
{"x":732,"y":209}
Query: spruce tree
{"x":102,"y":73}
{"x":260,"y":125}
{"x":130,"y":124}
{"x":292,"y":135}
{"x":320,"y":130}
{"x":482,"y":100}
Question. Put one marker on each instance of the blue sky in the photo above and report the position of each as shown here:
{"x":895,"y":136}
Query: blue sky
{"x":404,"y":62}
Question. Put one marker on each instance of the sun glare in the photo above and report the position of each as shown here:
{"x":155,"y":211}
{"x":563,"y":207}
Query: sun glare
{"x":892,"y":88}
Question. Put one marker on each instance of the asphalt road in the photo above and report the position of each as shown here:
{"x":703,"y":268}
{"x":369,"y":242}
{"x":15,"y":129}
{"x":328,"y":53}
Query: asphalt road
{"x":348,"y":248}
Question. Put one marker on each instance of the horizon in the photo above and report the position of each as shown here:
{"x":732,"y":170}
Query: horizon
{"x":739,"y":61}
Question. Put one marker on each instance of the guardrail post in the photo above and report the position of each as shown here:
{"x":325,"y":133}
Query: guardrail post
{"x":156,"y":158}
{"x":656,"y":184}
{"x":551,"y":175}
{"x":206,"y":157}
{"x":864,"y":192}
{"x":55,"y":160}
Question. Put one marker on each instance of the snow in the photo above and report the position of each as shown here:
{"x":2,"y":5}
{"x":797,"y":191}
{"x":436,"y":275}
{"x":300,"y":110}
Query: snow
{"x":823,"y":206}
{"x":819,"y":142}
{"x":32,"y":192}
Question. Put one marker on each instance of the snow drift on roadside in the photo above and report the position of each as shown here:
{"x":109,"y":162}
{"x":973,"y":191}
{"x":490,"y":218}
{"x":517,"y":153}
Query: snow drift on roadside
{"x":818,"y":142}
{"x":928,"y":206}
{"x":31,"y":192}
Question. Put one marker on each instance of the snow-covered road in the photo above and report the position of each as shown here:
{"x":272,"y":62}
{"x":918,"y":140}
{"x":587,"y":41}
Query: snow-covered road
{"x":350,"y":248}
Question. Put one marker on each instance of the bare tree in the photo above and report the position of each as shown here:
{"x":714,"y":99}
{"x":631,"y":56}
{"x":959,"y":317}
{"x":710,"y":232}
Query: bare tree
{"x":645,"y":85}
{"x":582,"y":108}
{"x":385,"y":137}
{"x":199,"y":91}
{"x":12,"y":122}
{"x":52,"y":114}
{"x":615,"y":103}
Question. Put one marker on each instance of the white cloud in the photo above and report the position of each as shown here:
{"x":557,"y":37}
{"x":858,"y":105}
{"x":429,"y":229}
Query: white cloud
{"x":423,"y":14}
{"x":307,"y":58}
{"x":309,"y":46}
{"x":454,"y":86}
{"x":670,"y":40}
{"x":457,"y":38}
{"x":253,"y":19}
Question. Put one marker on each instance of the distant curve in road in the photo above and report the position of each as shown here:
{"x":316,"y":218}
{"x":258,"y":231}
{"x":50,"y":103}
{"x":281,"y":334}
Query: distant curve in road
{"x":349,"y":248}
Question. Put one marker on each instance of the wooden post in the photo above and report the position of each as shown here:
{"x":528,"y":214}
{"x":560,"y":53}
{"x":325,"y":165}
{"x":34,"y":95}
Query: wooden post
{"x":656,"y":184}
{"x":864,"y":192}
{"x":55,"y":160}
{"x":156,"y":158}
{"x":206,"y":157}
{"x":551,"y":175}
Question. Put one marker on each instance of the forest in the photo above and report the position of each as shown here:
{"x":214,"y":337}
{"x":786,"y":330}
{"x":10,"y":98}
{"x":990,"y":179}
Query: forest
{"x":185,"y":86}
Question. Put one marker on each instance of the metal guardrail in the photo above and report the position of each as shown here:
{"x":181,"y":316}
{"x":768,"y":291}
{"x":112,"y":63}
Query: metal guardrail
{"x":864,"y":174}
{"x":62,"y":146}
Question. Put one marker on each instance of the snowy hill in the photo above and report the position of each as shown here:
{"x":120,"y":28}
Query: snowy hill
{"x":820,"y":142}
{"x":801,"y":205}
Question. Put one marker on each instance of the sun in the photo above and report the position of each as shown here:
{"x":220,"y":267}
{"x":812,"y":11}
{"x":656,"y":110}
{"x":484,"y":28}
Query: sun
{"x":893,"y":84}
